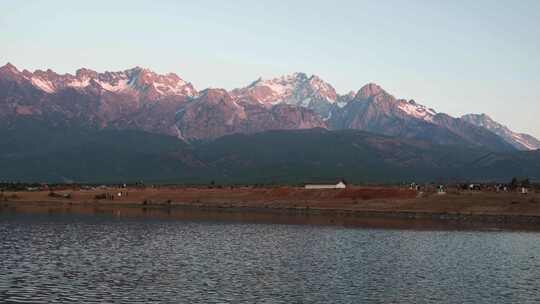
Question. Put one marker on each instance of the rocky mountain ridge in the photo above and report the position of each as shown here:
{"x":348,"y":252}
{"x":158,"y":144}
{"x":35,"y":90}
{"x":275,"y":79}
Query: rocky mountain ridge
{"x":519,"y":140}
{"x":166,"y":104}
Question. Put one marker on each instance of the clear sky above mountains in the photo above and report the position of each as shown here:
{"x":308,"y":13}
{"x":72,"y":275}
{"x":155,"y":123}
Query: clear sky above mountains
{"x":455,"y":56}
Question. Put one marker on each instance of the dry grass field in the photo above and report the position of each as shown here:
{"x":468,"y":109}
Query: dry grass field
{"x":373,"y":199}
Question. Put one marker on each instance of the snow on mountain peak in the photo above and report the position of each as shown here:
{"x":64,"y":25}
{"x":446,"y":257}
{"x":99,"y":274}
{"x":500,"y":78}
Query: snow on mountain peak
{"x":43,"y":84}
{"x":413,"y":109}
{"x":518,"y":140}
{"x":296,"y":89}
{"x":409,"y":108}
{"x":292,"y":97}
{"x":132,"y":80}
{"x":323,"y":88}
{"x":169,"y":84}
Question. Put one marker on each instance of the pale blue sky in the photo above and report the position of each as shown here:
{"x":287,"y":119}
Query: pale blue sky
{"x":455,"y":56}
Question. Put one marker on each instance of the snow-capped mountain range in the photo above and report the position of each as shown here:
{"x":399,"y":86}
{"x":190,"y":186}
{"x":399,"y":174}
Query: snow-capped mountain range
{"x":296,"y":89}
{"x":136,"y":79}
{"x":141,"y":99}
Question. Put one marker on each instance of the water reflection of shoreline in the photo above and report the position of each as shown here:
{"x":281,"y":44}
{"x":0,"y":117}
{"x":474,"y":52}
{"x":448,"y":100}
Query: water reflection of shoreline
{"x":261,"y":215}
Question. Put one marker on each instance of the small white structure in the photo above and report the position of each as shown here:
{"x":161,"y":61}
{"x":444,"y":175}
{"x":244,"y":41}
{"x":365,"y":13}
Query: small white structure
{"x":524,"y":190}
{"x":340,"y":185}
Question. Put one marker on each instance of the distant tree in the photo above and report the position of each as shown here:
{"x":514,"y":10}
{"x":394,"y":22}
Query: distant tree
{"x":526,"y":183}
{"x":514,"y":183}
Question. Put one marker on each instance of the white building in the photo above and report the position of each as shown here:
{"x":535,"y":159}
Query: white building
{"x":340,"y":185}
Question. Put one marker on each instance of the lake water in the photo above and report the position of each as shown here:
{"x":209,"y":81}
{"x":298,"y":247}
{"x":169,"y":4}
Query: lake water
{"x":58,"y":257}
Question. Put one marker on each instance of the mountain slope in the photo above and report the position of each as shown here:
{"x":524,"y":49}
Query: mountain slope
{"x":518,"y":140}
{"x":36,"y":151}
{"x":375,"y":110}
{"x":216,"y":113}
{"x":33,"y":150}
{"x":297,"y":89}
{"x":131,"y":99}
{"x":139,"y":99}
{"x":299,"y":155}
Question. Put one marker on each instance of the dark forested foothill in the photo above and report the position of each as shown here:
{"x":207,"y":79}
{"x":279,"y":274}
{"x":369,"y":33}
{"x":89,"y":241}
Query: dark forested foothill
{"x":280,"y":157}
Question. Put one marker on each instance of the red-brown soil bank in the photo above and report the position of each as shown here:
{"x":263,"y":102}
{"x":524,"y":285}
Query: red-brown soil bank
{"x":365,"y":202}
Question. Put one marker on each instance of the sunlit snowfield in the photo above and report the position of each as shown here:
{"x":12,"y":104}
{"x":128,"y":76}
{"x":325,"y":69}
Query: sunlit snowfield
{"x":99,"y":258}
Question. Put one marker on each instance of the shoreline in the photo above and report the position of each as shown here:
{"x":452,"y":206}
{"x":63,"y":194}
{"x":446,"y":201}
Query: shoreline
{"x":404,"y":219}
{"x":355,"y":206}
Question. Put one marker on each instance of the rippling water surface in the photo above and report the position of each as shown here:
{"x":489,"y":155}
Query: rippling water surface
{"x":99,"y":258}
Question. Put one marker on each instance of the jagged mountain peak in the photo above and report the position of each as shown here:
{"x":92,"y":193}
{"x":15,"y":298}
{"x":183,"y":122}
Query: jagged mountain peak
{"x":141,"y":98}
{"x":9,"y":67}
{"x":482,"y":119}
{"x":387,"y":103}
{"x":47,"y":72}
{"x":294,"y":89}
{"x":168,"y":84}
{"x":370,"y":90}
{"x":10,"y":71}
{"x":323,"y":87}
{"x":297,"y":75}
{"x":85,"y":73}
{"x":214,"y":93}
{"x":284,"y":80}
{"x":294,"y":79}
{"x":136,"y":80}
